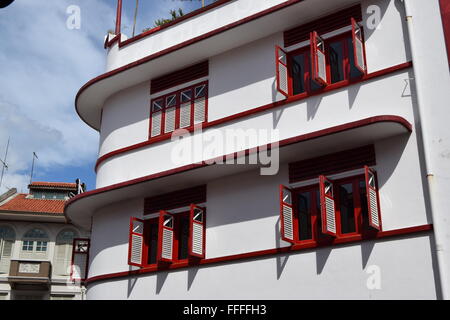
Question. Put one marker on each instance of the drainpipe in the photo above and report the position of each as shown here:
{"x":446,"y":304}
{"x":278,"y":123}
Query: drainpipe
{"x":425,"y":115}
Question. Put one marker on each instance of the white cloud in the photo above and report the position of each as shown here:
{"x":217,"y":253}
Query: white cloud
{"x":43,"y":64}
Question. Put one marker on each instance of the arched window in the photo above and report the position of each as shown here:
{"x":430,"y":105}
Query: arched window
{"x":63,"y":252}
{"x":34,"y":244}
{"x":7,"y":238}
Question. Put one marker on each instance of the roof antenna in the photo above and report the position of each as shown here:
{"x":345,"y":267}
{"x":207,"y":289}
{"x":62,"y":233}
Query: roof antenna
{"x":32,"y":166}
{"x":5,"y":166}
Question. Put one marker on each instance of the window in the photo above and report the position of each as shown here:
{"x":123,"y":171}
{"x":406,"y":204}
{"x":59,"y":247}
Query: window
{"x":169,"y":238}
{"x":181,"y":109}
{"x":63,"y":252}
{"x":7,"y":239}
{"x":324,"y":62}
{"x":34,"y":244}
{"x":330,"y":209}
{"x":80,"y":259}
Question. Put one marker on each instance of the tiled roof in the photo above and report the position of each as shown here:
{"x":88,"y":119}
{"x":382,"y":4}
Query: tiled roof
{"x":53,"y":184}
{"x":21,"y":204}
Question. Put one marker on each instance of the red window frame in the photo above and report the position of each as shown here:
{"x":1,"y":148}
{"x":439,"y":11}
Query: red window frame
{"x":308,"y":74}
{"x":315,"y":214}
{"x":176,"y":228}
{"x":75,"y":252}
{"x":177,"y":107}
{"x":193,"y":223}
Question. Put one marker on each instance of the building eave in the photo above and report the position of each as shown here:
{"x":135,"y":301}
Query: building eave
{"x":80,"y":209}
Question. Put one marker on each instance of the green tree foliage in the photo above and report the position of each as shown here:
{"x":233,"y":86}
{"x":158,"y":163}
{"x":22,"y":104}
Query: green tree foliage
{"x":174,"y":15}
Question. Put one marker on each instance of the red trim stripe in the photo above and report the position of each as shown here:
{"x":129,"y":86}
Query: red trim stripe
{"x":262,"y":253}
{"x":256,"y":110}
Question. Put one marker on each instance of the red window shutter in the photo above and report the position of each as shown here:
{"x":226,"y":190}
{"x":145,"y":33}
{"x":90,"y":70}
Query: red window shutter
{"x":156,"y":118}
{"x":185,"y":108}
{"x":327,"y":206}
{"x":200,"y":103}
{"x":358,"y":47}
{"x":80,"y":259}
{"x":136,"y":243}
{"x":282,"y":71}
{"x":166,"y":236}
{"x":286,"y":215}
{"x":197,"y":231}
{"x":318,"y":59}
{"x":372,"y":199}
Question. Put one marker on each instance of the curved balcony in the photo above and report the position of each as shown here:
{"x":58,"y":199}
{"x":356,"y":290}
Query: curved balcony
{"x":148,"y":56}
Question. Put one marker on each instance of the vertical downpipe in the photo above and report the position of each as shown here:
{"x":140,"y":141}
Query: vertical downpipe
{"x":425,"y":115}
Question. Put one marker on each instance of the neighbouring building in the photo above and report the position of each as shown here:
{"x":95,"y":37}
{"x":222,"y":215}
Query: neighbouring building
{"x":277,"y":149}
{"x":40,"y":255}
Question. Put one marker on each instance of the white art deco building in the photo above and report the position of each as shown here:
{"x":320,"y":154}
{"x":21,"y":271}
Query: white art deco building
{"x":276,"y":149}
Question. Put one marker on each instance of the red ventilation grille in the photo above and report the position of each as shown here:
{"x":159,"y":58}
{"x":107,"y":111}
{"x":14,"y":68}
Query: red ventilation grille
{"x":323,"y":25}
{"x":179,"y":77}
{"x":332,"y":163}
{"x":176,"y":199}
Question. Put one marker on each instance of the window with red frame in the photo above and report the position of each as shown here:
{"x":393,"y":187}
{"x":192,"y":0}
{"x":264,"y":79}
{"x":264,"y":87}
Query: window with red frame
{"x":354,"y":211}
{"x":170,"y":238}
{"x":323,"y":63}
{"x":180,"y":109}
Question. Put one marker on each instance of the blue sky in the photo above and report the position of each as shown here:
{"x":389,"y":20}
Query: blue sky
{"x":42,"y":66}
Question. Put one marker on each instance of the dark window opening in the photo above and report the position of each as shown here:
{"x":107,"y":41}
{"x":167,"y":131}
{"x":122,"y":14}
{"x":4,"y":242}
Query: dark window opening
{"x":183,"y":236}
{"x":336,"y":56}
{"x":347,"y":208}
{"x":304,"y":216}
{"x":298,"y":73}
{"x":153,"y":242}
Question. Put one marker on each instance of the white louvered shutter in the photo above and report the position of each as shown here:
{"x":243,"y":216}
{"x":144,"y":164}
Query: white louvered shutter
{"x":372,"y":199}
{"x":136,"y":243}
{"x":166,"y":236}
{"x":318,"y":59}
{"x":358,"y":48}
{"x":282,"y":78}
{"x":197,"y":232}
{"x":185,"y":108}
{"x":156,"y":118}
{"x":169,"y":122}
{"x":80,"y":259}
{"x":200,"y":93}
{"x":327,"y":206}
{"x":6,"y":247}
{"x":63,"y":257}
{"x":286,"y":215}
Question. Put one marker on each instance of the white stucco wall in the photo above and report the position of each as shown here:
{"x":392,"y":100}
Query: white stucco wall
{"x":243,"y":216}
{"x":244,"y":78}
{"x":243,"y":210}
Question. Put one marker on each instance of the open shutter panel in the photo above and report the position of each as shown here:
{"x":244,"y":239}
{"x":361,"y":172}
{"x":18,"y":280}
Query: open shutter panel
{"x":372,"y":199}
{"x":200,"y":103}
{"x":327,"y":207}
{"x":156,"y":118}
{"x":185,"y":108}
{"x":282,"y":71}
{"x":80,"y":259}
{"x":197,"y":232}
{"x":286,"y":214}
{"x":165,"y":236}
{"x":358,"y":48}
{"x":136,"y":242}
{"x":318,"y":59}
